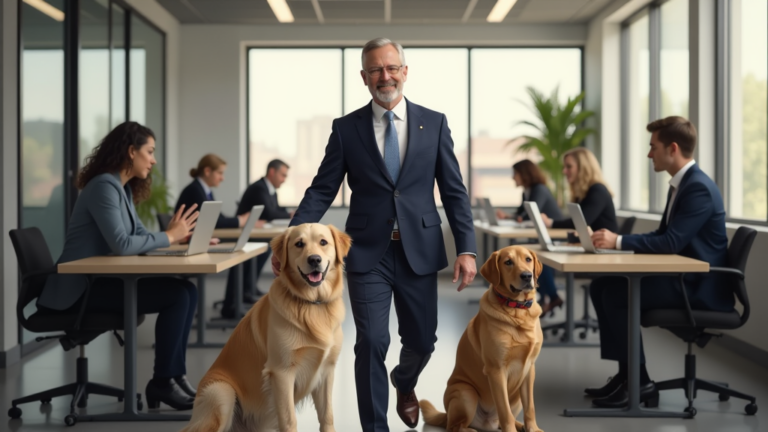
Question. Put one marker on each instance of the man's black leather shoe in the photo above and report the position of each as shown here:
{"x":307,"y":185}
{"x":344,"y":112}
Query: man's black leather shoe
{"x":611,"y":386}
{"x":620,"y":398}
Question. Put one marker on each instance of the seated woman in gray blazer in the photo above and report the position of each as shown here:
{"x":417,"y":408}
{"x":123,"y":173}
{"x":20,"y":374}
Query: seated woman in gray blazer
{"x":104,"y":222}
{"x":528,"y":175}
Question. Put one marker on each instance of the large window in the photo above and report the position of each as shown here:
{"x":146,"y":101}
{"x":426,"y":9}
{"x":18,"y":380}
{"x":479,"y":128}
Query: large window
{"x":655,"y":84}
{"x":748,"y":150}
{"x":490,"y":83}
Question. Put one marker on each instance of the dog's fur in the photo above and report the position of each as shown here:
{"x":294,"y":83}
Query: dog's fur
{"x":286,"y":346}
{"x":494,"y":372}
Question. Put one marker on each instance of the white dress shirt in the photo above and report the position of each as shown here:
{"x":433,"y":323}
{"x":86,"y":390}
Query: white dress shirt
{"x":206,"y":188}
{"x":675,"y":183}
{"x":401,"y":124}
{"x":270,"y":187}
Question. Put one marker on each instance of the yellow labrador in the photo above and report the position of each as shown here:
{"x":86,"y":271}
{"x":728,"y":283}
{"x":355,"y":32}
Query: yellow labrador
{"x":285,"y":348}
{"x":495,"y":361}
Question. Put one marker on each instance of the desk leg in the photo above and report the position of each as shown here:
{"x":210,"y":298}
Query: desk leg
{"x":202,"y":318}
{"x":130,"y":405}
{"x":239,"y":313}
{"x":569,"y":282}
{"x":633,"y":408}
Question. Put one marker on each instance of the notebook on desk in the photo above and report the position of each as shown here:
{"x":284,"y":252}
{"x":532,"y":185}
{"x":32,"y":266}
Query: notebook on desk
{"x":201,"y":236}
{"x":580,"y":222}
{"x":245,"y":234}
{"x":541,"y":230}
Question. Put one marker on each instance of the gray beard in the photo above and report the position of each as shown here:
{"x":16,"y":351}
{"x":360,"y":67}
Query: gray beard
{"x":388,"y":97}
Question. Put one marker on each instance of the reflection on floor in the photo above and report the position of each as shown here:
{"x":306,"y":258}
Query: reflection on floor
{"x":562,"y":373}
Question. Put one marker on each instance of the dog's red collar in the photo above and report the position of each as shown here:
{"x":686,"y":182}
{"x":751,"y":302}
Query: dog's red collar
{"x":513,"y":303}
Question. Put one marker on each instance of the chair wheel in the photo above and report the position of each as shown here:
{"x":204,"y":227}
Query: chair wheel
{"x":14,"y":412}
{"x":554,"y":331}
{"x":70,"y":420}
{"x":691,"y":411}
{"x":583,"y":335}
{"x":723,"y":397}
{"x":45,"y":401}
{"x":751,"y":409}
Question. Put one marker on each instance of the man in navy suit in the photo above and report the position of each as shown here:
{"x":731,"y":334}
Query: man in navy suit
{"x":693,"y":225}
{"x":392,"y":152}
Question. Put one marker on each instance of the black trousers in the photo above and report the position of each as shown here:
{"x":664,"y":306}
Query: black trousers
{"x":175,"y":302}
{"x":416,"y":306}
{"x":610,"y":297}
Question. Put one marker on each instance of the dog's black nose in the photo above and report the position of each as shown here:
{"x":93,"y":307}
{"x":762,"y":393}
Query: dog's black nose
{"x":314,"y":260}
{"x":526,"y":276}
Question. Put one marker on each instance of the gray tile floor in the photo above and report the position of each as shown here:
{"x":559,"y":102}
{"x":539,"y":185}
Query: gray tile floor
{"x":562,"y":373}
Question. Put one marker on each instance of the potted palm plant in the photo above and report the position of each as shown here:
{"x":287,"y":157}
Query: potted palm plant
{"x":560,"y":130}
{"x":158,"y":201}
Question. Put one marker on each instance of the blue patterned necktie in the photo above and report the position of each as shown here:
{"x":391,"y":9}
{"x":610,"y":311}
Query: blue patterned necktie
{"x":209,"y":195}
{"x":391,"y":148}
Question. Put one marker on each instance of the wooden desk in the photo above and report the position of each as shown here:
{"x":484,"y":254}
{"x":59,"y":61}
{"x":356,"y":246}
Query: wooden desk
{"x":635,"y":267}
{"x":132,"y":268}
{"x":256,"y":233}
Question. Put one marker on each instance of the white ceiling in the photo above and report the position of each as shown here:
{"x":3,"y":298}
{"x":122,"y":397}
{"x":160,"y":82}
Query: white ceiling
{"x":382,"y":11}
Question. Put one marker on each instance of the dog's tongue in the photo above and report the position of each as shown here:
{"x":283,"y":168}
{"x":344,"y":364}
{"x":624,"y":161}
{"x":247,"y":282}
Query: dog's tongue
{"x":315,"y":277}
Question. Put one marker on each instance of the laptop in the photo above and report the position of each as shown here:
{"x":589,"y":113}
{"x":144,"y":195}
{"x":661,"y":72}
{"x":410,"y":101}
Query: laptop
{"x":490,"y":216}
{"x":201,"y":236}
{"x":580,"y":222}
{"x":244,"y":235}
{"x":544,"y":240}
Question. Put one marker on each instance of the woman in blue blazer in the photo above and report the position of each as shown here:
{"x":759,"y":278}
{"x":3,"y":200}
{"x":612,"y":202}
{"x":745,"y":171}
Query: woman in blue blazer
{"x":527,"y":175}
{"x":104,"y":222}
{"x":208,"y":174}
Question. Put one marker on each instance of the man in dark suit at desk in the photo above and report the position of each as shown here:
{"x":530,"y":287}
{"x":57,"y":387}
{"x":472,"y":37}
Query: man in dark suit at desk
{"x":392,"y":152}
{"x":262,"y":192}
{"x":693,"y":225}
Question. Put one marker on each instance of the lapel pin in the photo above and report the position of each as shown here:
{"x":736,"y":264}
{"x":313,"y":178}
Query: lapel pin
{"x":421,"y":127}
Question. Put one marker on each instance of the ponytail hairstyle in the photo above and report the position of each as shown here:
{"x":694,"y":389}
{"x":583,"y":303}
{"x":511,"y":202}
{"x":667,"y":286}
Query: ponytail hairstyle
{"x":208,"y":161}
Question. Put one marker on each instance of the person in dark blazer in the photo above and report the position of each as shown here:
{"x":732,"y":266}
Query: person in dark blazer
{"x":692,"y":225}
{"x":261,"y":192}
{"x":527,"y":175}
{"x":392,"y":152}
{"x":104,"y":222}
{"x":209,"y":174}
{"x":587,"y":187}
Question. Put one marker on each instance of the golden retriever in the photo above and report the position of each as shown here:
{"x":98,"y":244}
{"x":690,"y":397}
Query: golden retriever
{"x":286,"y":346}
{"x":494,"y":372}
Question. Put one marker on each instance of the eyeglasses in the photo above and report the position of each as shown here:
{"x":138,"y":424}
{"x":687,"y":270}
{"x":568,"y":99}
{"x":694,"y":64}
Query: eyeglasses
{"x":376,"y":72}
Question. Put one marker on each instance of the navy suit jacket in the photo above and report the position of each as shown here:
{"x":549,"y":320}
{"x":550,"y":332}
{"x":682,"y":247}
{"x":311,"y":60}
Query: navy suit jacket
{"x":195,"y":194}
{"x":696,"y":230}
{"x":376,"y":200}
{"x":258,"y":194}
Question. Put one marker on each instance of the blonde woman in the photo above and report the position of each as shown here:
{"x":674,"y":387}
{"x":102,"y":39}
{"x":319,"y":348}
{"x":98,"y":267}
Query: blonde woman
{"x":585,"y":181}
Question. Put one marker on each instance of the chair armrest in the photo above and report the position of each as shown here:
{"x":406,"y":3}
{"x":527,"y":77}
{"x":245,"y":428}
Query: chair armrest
{"x":44,"y":272}
{"x":728,"y":270}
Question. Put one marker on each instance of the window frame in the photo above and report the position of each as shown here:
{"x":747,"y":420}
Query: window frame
{"x":468,"y":138}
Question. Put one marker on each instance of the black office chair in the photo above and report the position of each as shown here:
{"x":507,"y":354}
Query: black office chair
{"x":692,"y":325}
{"x":79,"y":329}
{"x":163,"y":220}
{"x":587,"y":322}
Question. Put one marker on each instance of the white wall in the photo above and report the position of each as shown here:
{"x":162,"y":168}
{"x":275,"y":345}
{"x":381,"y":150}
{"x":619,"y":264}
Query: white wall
{"x":9,"y":131}
{"x":212,"y":70}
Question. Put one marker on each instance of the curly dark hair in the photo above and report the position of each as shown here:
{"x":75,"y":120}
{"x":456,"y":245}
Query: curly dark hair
{"x":111,"y":155}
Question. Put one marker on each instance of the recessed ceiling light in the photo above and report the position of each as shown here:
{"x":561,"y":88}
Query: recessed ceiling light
{"x":46,"y":9}
{"x":500,"y":10}
{"x":281,"y":10}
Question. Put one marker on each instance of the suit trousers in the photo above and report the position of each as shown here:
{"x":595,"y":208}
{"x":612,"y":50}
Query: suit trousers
{"x":610,"y":299}
{"x":415,"y":298}
{"x":175,"y":302}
